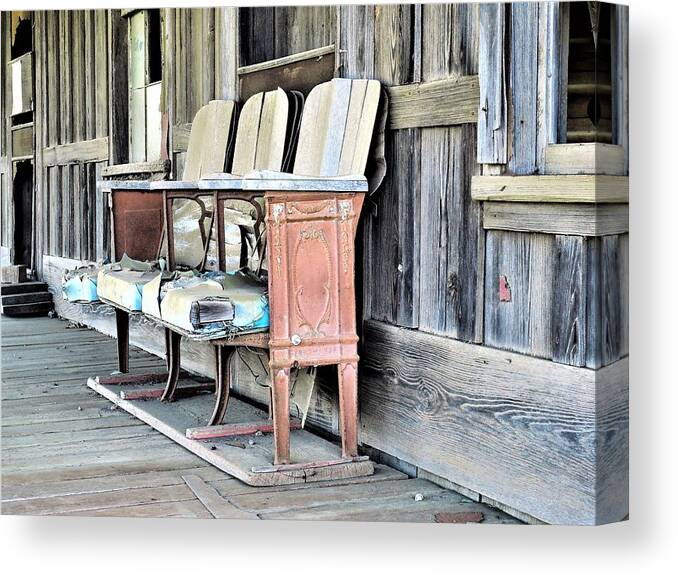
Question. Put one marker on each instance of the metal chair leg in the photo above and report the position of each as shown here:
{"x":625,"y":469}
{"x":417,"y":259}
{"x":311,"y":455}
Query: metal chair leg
{"x":281,"y":415}
{"x":224,"y":360}
{"x":174,"y":364}
{"x":167,"y":347}
{"x":348,"y":408}
{"x":122,"y":330}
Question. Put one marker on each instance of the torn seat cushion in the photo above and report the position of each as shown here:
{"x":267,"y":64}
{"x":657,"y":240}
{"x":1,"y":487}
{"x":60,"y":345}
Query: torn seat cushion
{"x":219,"y":305}
{"x":80,"y":285}
{"x":123,"y":286}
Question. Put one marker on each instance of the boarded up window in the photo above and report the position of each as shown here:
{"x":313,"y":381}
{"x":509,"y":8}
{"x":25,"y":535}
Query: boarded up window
{"x":145,"y":86}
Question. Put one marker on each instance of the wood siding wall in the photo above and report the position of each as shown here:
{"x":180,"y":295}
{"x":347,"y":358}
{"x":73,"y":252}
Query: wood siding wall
{"x":71,"y":132}
{"x":435,"y":275}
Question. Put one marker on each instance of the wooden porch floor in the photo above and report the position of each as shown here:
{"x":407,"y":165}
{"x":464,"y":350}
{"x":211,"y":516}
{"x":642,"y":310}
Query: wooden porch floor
{"x":68,"y":451}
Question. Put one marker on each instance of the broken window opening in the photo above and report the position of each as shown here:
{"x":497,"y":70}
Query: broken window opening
{"x":145,"y":85}
{"x":589,"y":85}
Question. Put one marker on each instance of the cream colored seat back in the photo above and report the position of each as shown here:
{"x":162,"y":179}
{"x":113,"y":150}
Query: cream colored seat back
{"x":336,"y":128}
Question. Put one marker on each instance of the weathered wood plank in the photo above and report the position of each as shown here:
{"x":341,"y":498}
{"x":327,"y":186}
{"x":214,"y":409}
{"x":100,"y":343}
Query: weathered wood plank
{"x":431,"y":509}
{"x":623,"y":274}
{"x":438,"y":103}
{"x":394,"y":272}
{"x":79,"y":503}
{"x":218,"y":507}
{"x":548,"y":73}
{"x":553,"y":218}
{"x":449,"y":237}
{"x":137,"y":169}
{"x":310,"y":498}
{"x":100,"y":58}
{"x":593,"y":158}
{"x":232,"y":459}
{"x":392,"y":43}
{"x":300,"y":28}
{"x":569,"y":300}
{"x":604,"y":309}
{"x":620,"y":79}
{"x":257,"y":30}
{"x":118,"y":112}
{"x":579,"y":188}
{"x":106,"y":483}
{"x":227,"y":41}
{"x":356,"y":32}
{"x":492,"y":113}
{"x":518,"y":430}
{"x":95,"y":150}
{"x":524,"y":39}
{"x":518,"y":292}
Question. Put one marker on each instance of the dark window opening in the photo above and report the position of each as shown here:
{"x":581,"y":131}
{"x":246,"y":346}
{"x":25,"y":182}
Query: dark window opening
{"x":22,"y":118}
{"x":23,"y":38}
{"x":23,"y":212}
{"x":589,"y":89}
{"x":154,"y":46}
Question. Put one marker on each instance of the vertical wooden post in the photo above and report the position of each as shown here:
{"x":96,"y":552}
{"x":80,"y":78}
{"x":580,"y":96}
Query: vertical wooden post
{"x":118,"y":95}
{"x":227,"y":52}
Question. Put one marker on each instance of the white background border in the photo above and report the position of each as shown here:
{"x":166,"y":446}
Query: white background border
{"x":645,"y":543}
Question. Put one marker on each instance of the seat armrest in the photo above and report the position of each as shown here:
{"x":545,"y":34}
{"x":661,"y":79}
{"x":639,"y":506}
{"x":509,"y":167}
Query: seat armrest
{"x":220,"y":181}
{"x":163,"y":185}
{"x":269,"y":181}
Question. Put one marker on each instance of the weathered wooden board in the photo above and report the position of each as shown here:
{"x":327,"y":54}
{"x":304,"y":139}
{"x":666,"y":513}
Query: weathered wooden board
{"x":519,"y":274}
{"x":514,"y":428}
{"x":449,"y":233}
{"x":301,"y":28}
{"x":568,"y":325}
{"x":552,"y":218}
{"x":228,"y":456}
{"x":492,"y":113}
{"x":523,"y":70}
{"x":577,"y":189}
{"x":95,"y":150}
{"x":593,"y":158}
{"x":393,"y":266}
{"x":439,"y":103}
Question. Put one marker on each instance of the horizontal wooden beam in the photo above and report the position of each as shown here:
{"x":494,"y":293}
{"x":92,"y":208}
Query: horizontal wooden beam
{"x":575,"y":189}
{"x":287,"y":60}
{"x":589,"y":158}
{"x":95,"y":150}
{"x":511,"y":427}
{"x":439,"y":103}
{"x":157,"y":166}
{"x":549,"y":218}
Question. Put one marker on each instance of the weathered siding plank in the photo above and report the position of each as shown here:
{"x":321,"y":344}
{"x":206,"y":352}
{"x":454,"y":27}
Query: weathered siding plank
{"x":301,"y":28}
{"x":569,"y":300}
{"x":356,"y":28}
{"x":518,"y":293}
{"x":518,"y":430}
{"x":394,"y":228}
{"x":491,"y":62}
{"x":554,"y":218}
{"x":523,"y":90}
